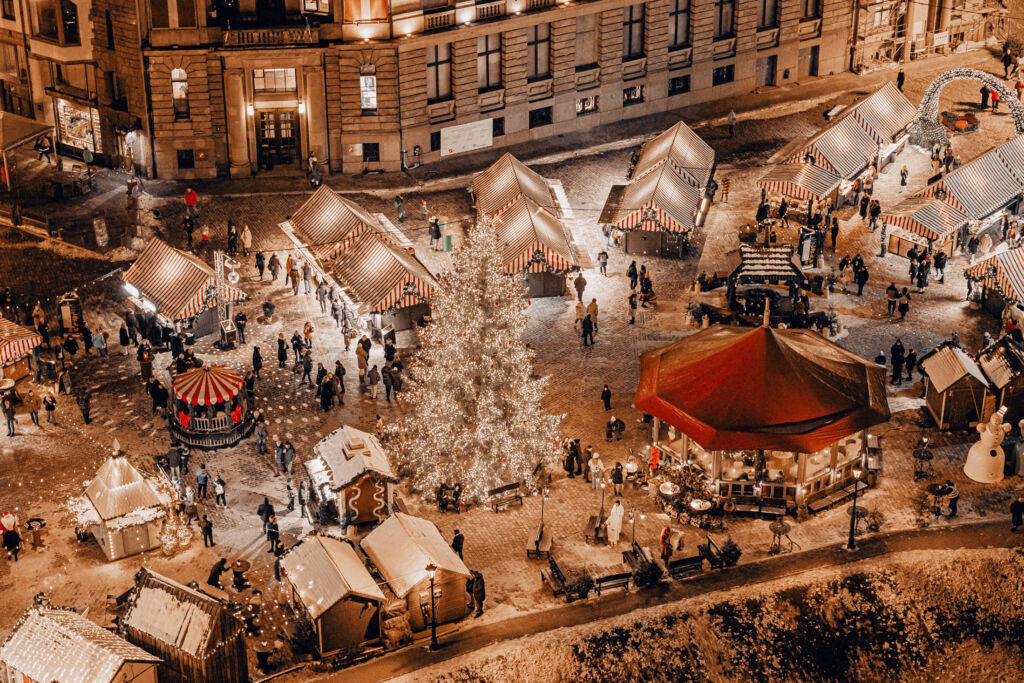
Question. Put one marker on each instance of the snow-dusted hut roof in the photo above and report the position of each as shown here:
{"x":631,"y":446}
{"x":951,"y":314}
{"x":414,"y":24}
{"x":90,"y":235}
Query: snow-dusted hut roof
{"x":504,"y":181}
{"x":885,"y":113}
{"x":346,"y":454}
{"x":177,"y":615}
{"x":1002,"y":361}
{"x":979,"y":187}
{"x":802,"y":181}
{"x":947,"y":365}
{"x":844,"y":148}
{"x":53,"y":644}
{"x":767,"y":264}
{"x":326,"y":223}
{"x":402,"y":547}
{"x":526,"y":228}
{"x":673,"y":200}
{"x":925,"y":216}
{"x":691,"y":157}
{"x":1009,"y":272}
{"x":324,"y":571}
{"x":120,"y":496}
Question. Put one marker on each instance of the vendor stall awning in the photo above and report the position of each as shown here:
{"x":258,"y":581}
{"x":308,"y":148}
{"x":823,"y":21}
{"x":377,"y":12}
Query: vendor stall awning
{"x":673,"y":200}
{"x":16,"y":341}
{"x":207,"y":385}
{"x":1002,"y":361}
{"x":926,"y":216}
{"x":692,"y":158}
{"x":762,"y":264}
{"x":1012,"y":154}
{"x":980,"y":187}
{"x":1009,"y":272}
{"x":179,"y":284}
{"x":844,"y":148}
{"x":506,"y":180}
{"x":738,"y":388}
{"x":118,"y":489}
{"x":326,"y":221}
{"x":378,"y":276}
{"x":885,"y":113}
{"x":800,"y":181}
{"x":17,"y":130}
{"x":525,"y":229}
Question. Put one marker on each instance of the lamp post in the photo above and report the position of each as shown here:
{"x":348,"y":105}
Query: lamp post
{"x":852,"y":543}
{"x":431,"y":570}
{"x":632,"y":518}
{"x":543,"y":497}
{"x":600,"y":515}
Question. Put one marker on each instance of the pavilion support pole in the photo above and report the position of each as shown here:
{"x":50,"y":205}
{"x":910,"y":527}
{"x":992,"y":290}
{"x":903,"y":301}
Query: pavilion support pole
{"x":7,"y":172}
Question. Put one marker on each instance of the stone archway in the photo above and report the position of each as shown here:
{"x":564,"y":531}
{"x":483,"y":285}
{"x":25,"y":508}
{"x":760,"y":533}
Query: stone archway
{"x":928,"y":129}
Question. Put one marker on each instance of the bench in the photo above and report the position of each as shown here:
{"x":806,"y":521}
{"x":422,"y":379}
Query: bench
{"x":712,"y":552}
{"x":613,"y":581}
{"x":503,"y":496}
{"x":553,"y":577}
{"x":827,"y":500}
{"x":595,"y":529}
{"x":772,"y":507}
{"x":685,"y":566}
{"x":637,"y":557}
{"x":539,"y":544}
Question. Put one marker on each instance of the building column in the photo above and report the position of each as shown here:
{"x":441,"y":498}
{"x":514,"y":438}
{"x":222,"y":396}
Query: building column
{"x":237,"y":123}
{"x":316,"y":113}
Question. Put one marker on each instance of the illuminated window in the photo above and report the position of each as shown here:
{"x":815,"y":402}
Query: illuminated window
{"x":179,"y":93}
{"x":588,"y":105}
{"x":633,"y":95}
{"x":368,"y":90}
{"x":273,"y":80}
{"x":57,"y":20}
{"x":316,"y":6}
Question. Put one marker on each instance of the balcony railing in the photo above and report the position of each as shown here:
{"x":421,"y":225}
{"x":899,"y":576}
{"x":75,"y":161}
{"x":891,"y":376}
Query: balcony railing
{"x":490,"y":10}
{"x":272,"y":36}
{"x":538,"y":4}
{"x":438,"y":20}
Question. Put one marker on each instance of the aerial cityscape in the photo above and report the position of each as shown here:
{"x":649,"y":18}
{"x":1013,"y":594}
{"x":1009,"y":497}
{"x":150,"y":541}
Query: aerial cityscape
{"x":540,"y":340}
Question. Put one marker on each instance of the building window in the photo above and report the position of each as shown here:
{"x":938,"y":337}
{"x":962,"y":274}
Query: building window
{"x":57,"y":20}
{"x":722,"y":75}
{"x":187,"y":14}
{"x":679,"y":85}
{"x":273,"y":80}
{"x":158,"y":14}
{"x":768,"y":14}
{"x":633,"y":95}
{"x":7,"y":8}
{"x":435,"y":6}
{"x":540,"y":117}
{"x":586,"y":42}
{"x":9,"y":61}
{"x":633,"y":32}
{"x":110,"y":30}
{"x":368,"y":89}
{"x":497,"y":126}
{"x":488,"y":62}
{"x":724,"y":18}
{"x":186,"y":158}
{"x":588,"y":105}
{"x":316,"y":7}
{"x":435,"y":141}
{"x":538,"y":52}
{"x":881,"y":17}
{"x":679,"y":24}
{"x":179,"y":93}
{"x":439,"y":72}
{"x":810,"y":9}
{"x":371,"y":152}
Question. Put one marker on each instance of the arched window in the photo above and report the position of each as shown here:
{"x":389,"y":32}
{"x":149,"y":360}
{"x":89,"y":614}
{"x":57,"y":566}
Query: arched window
{"x":179,"y":93}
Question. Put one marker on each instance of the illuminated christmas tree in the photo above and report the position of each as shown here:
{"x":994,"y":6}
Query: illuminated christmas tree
{"x":477,"y":417}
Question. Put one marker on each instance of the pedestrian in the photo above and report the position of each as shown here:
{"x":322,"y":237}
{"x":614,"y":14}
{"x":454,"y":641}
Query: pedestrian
{"x":174,"y":463}
{"x":291,"y":497}
{"x":400,"y":207}
{"x":99,"y":342}
{"x":202,"y":480}
{"x":615,"y":427}
{"x":246,"y":239}
{"x":219,"y":489}
{"x":922,"y":275}
{"x":940,"y":266}
{"x":84,"y":400}
{"x":372,"y":378}
{"x":232,"y":237}
{"x":903,"y":304}
{"x":892,"y":294}
{"x":302,"y":499}
{"x":901,"y":78}
{"x":1017,"y":513}
{"x":423,"y":209}
{"x":191,"y":203}
{"x":909,"y":363}
{"x":50,"y":404}
{"x":33,"y":404}
{"x":602,"y":259}
{"x":952,"y":499}
{"x":282,"y":350}
{"x":458,"y":542}
{"x":613,"y":526}
{"x":726,"y":184}
{"x":206,"y":527}
{"x":580,"y":283}
{"x":631,"y":274}
{"x":596,"y":470}
{"x":897,"y":354}
{"x":307,"y":277}
{"x":984,"y":96}
{"x":12,"y":544}
{"x":995,"y":101}
{"x":298,"y":348}
{"x":44,"y":148}
{"x":592,"y":312}
{"x":294,"y":278}
{"x":633,"y":297}
{"x":219,"y":567}
{"x":321,"y":296}
{"x":265,"y":512}
{"x":434,"y":231}
{"x":189,"y":226}
{"x":273,"y":265}
{"x":617,"y":477}
{"x":606,"y":397}
{"x":865,"y":201}
{"x":587,"y":327}
{"x":861,"y":278}
{"x":731,"y":118}
{"x":273,"y":534}
{"x":904,"y":174}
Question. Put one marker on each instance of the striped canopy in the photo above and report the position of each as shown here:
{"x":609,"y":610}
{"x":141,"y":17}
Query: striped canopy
{"x":1012,"y":154}
{"x":504,"y":181}
{"x":692,"y":158}
{"x":801,"y":181}
{"x":1009,"y":272}
{"x":207,"y":385}
{"x":327,"y":222}
{"x":673,"y":199}
{"x":979,"y":187}
{"x":525,"y":228}
{"x":843,"y":148}
{"x":926,"y":216}
{"x":378,"y":276}
{"x":16,"y":341}
{"x":178,"y":283}
{"x":885,"y":113}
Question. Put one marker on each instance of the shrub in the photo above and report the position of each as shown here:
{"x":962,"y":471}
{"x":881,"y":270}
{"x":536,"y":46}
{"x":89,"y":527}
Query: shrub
{"x":579,"y":588}
{"x":647,"y":574}
{"x":730,"y":552}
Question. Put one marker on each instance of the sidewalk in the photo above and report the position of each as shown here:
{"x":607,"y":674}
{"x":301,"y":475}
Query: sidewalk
{"x":471,"y":638}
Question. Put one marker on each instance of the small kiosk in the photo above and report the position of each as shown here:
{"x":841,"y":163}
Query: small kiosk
{"x":954,"y":387}
{"x":350,"y":479}
{"x":1002,"y":361}
{"x":1002,"y":282}
{"x":16,"y":349}
{"x":209,"y":409}
{"x":799,"y":184}
{"x":924,"y":222}
{"x":765,"y":273}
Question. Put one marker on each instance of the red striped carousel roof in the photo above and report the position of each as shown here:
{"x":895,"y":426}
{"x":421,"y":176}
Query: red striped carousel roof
{"x":207,"y":385}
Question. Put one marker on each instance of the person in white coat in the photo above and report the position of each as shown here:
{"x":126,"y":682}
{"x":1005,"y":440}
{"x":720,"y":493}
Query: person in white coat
{"x":614,"y":523}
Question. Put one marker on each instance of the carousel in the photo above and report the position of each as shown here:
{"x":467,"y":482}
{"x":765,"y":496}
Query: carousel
{"x":210,"y":409}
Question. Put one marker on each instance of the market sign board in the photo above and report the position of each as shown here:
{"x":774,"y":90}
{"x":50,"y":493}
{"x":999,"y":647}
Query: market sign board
{"x":466,"y":137}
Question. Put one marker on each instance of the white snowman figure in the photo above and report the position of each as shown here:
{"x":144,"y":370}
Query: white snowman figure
{"x":985,"y":460}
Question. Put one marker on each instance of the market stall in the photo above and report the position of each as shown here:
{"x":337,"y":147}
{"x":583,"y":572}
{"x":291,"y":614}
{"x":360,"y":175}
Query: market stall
{"x":177,"y":290}
{"x":16,"y":131}
{"x":799,"y":184}
{"x":1002,"y":362}
{"x":762,"y":270}
{"x":657,"y":212}
{"x":690,"y":157}
{"x":209,"y":409}
{"x":923,"y":222}
{"x":535,"y":243}
{"x":16,"y":349}
{"x":505,"y":181}
{"x":1012,"y":154}
{"x":1002,"y":280}
{"x":350,"y":479}
{"x":886,"y":115}
{"x":326,"y":223}
{"x":954,"y":387}
{"x":766,"y":414}
{"x":328,"y":584}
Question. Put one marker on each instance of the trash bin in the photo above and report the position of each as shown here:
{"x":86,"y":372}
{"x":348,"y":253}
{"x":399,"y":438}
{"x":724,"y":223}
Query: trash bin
{"x":447,"y":241}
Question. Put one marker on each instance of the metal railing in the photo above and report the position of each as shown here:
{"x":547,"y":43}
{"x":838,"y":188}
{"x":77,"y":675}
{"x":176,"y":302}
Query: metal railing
{"x":490,"y":10}
{"x":438,"y":20}
{"x":272,"y":36}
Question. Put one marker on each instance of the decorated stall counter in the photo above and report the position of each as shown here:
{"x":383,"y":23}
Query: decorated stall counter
{"x":209,"y":409}
{"x":350,"y":479}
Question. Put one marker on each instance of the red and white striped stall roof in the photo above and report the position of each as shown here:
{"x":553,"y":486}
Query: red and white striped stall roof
{"x":800,"y":181}
{"x":843,"y":148}
{"x":375,"y":274}
{"x":504,"y":181}
{"x":1012,"y":154}
{"x":207,"y":385}
{"x":16,"y":341}
{"x":327,"y":221}
{"x":885,"y":113}
{"x":981,"y":186}
{"x":525,"y":228}
{"x":694,"y":159}
{"x":179,"y":284}
{"x":675,"y":201}
{"x":927,"y":217}
{"x":1009,"y":267}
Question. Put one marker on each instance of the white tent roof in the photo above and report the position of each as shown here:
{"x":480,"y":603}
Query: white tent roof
{"x":174,"y":614}
{"x":346,"y":454}
{"x":947,"y":365}
{"x":51,"y":644}
{"x":118,"y":489}
{"x":402,"y":547}
{"x":324,"y":570}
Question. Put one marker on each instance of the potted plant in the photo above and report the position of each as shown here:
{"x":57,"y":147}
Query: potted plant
{"x":730,"y":552}
{"x":268,"y":311}
{"x":874,"y":520}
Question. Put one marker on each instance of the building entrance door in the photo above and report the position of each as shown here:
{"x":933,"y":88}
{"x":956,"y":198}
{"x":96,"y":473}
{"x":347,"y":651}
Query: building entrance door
{"x":277,"y":135}
{"x":808,"y":61}
{"x":766,"y":70}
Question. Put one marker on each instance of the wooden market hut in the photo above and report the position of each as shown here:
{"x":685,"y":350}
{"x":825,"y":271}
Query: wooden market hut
{"x":762,"y":270}
{"x":687,"y":153}
{"x":955,"y":387}
{"x":1002,"y":362}
{"x":197,"y":637}
{"x":506,"y":180}
{"x":401,"y":548}
{"x":656,"y":211}
{"x":800,"y":183}
{"x":122,"y":510}
{"x":350,"y":479}
{"x":178,"y":289}
{"x":57,"y":644}
{"x":325,"y":223}
{"x":16,"y":349}
{"x":773,"y":418}
{"x":923,"y":222}
{"x":886,"y":115}
{"x":1002,"y":279}
{"x":329,"y":584}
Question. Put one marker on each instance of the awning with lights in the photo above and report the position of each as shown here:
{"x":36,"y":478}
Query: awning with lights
{"x":378,"y":276}
{"x":926,"y":216}
{"x":690,"y":157}
{"x":1004,"y":271}
{"x":326,"y":223}
{"x":800,"y":181}
{"x":660,"y":196}
{"x":533,"y":240}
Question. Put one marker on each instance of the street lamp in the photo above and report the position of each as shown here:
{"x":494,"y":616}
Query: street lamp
{"x":543,"y":496}
{"x":632,"y":518}
{"x":431,"y":570}
{"x":600,"y":517}
{"x":852,"y":543}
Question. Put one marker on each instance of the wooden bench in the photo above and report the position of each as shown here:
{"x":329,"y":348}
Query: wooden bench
{"x":503,"y":496}
{"x":637,"y":557}
{"x":827,"y":500}
{"x":595,"y":529}
{"x":539,"y":544}
{"x":613,"y":581}
{"x":554,"y":577}
{"x":712,"y":552}
{"x":685,"y":566}
{"x":772,"y":507}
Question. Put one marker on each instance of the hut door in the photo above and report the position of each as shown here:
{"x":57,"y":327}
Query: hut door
{"x":425,"y":603}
